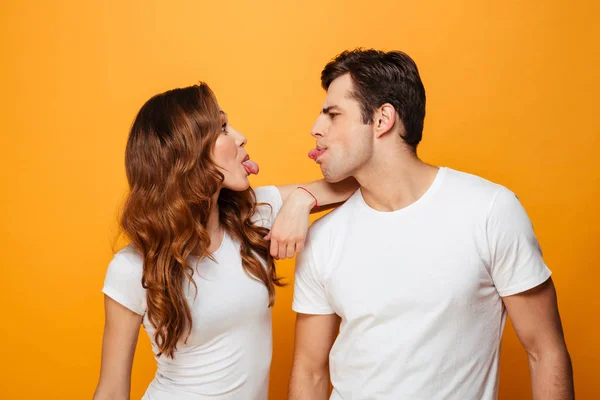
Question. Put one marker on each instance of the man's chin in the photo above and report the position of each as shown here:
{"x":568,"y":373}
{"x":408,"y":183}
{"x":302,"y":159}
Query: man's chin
{"x":329,"y":178}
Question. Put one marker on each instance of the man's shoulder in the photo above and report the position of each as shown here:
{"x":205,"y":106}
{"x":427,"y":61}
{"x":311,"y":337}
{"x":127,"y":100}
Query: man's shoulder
{"x":334,"y":221}
{"x":474,"y":187}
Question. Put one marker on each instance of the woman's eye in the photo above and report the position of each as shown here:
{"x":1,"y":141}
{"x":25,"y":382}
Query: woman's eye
{"x":224,"y":127}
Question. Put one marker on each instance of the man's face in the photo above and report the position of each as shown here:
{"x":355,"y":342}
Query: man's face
{"x":344,"y":142}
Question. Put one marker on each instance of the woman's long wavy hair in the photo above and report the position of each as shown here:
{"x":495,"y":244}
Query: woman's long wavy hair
{"x":172,"y":181}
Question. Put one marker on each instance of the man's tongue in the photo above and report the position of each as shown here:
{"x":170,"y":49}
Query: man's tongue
{"x":315,"y":153}
{"x":251,"y":167}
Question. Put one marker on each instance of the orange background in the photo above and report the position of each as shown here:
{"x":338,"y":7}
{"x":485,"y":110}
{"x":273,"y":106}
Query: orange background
{"x":512,"y":95}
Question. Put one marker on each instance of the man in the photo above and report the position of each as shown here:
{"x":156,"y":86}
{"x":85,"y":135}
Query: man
{"x":420,"y":265}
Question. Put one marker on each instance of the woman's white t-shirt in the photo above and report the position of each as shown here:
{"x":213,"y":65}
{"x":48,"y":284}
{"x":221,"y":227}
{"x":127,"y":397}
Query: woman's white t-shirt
{"x":228,"y":353}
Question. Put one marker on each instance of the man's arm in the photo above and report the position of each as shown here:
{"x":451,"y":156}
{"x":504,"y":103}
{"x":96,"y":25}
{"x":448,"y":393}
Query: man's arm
{"x":535,"y":316}
{"x":315,"y":335}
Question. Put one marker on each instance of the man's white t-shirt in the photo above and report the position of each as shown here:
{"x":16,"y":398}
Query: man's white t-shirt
{"x":228,"y":353}
{"x":419,"y":290}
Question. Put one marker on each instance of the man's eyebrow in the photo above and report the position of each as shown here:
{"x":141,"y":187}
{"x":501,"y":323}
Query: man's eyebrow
{"x":327,"y":110}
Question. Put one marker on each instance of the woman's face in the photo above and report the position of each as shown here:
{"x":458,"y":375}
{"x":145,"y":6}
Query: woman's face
{"x":231,"y":157}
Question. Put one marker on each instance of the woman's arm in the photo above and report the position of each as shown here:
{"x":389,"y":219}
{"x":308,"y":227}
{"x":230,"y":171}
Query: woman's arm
{"x":291,"y":224}
{"x":326,"y":193}
{"x":121,"y":329}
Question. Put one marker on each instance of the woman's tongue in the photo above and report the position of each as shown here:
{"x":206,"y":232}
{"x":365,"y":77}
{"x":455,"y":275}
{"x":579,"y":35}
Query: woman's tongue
{"x":251,"y":167}
{"x":315,"y":153}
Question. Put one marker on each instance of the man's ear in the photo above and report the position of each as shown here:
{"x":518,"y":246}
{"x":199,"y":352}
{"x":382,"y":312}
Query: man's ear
{"x":384,"y":119}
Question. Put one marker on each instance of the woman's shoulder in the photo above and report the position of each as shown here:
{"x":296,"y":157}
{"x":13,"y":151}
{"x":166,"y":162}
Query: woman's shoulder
{"x":129,"y":254}
{"x":123,"y":282}
{"x":268,"y":204}
{"x":126,"y":263}
{"x":268,"y":194}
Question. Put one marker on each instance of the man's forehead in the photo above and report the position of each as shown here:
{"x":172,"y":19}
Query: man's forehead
{"x":341,"y":85}
{"x":340,"y":90}
{"x":338,"y":102}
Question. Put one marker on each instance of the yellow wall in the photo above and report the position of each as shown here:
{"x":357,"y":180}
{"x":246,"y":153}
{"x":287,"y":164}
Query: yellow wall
{"x":512,"y":96}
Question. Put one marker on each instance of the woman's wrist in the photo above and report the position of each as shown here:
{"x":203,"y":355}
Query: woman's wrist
{"x":305,"y":197}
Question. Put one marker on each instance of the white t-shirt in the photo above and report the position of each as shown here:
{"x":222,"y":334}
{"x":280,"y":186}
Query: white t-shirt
{"x":419,"y":290}
{"x":228,"y":353}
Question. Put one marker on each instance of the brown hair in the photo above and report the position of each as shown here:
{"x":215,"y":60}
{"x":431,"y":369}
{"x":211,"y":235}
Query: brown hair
{"x":172,"y":180}
{"x":383,"y":77}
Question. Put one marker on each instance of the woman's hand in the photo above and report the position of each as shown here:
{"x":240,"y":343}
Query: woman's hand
{"x":291,"y":225}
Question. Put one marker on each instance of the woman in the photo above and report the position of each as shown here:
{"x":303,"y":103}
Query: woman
{"x":198,"y":273}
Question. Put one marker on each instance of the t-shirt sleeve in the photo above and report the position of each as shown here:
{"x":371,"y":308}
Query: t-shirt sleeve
{"x":123,"y":283}
{"x":310,"y":296}
{"x":271,"y":201}
{"x":516,"y":257}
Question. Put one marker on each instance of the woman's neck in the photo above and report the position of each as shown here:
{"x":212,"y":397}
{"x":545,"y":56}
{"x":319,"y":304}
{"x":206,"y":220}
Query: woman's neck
{"x":213,"y":225}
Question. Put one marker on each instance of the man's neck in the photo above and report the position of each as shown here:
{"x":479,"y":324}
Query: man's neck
{"x":395,"y":182}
